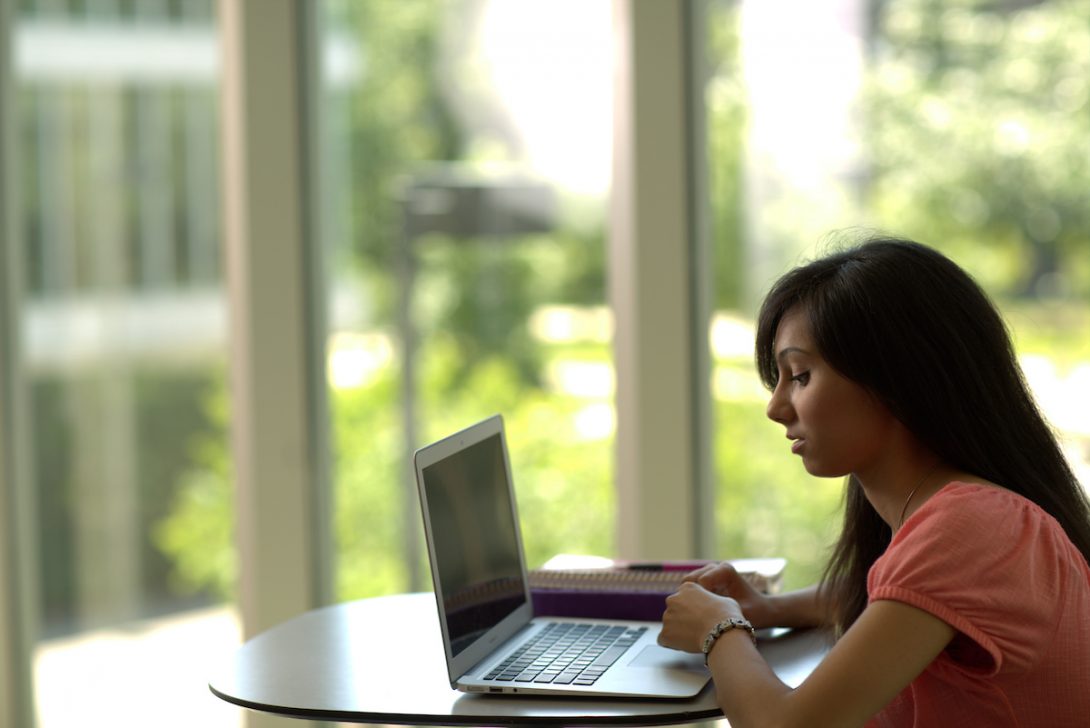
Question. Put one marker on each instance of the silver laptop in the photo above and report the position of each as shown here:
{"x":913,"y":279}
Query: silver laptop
{"x":493,"y":642}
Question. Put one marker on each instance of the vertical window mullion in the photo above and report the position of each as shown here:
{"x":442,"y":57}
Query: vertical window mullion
{"x":660,"y":344}
{"x":277,"y":385}
{"x":18,"y":589}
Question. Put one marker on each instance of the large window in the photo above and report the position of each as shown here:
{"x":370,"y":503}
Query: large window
{"x":463,"y":181}
{"x":960,"y":124}
{"x":463,"y":172}
{"x":123,"y":345}
{"x":466,"y":164}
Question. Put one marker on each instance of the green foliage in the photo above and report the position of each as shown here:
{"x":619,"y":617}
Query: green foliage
{"x":725,"y":99}
{"x":482,"y":292}
{"x":398,"y":121}
{"x":978,"y":136}
{"x":370,"y":476}
{"x":1057,"y":331}
{"x":581,"y":265}
{"x":553,"y":466}
{"x":196,"y":534}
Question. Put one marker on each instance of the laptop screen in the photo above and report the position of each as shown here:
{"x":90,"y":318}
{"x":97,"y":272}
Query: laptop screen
{"x":476,"y":543}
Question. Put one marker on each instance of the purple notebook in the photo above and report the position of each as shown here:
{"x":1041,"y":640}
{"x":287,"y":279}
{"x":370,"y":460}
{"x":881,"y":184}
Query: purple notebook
{"x":641,"y":605}
{"x":577,"y":586}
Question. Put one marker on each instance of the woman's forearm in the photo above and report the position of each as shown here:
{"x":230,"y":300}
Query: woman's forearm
{"x":802,"y":608}
{"x":747,"y":690}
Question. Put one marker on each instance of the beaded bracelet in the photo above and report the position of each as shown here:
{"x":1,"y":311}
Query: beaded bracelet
{"x":725,"y":626}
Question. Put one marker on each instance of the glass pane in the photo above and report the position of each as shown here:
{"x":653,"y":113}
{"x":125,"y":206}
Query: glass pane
{"x":125,"y":341}
{"x":960,"y":124}
{"x":466,"y":164}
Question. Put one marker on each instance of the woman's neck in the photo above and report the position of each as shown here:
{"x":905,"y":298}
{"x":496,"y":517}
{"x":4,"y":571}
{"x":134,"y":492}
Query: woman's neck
{"x":904,"y":477}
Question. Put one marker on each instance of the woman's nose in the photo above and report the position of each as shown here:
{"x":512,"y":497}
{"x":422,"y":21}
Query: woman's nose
{"x":779,"y":409}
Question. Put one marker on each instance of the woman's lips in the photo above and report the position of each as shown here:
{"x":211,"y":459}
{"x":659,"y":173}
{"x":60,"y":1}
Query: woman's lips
{"x":796,"y":446}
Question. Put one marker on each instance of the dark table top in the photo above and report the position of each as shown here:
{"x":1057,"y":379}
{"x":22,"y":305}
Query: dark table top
{"x":381,"y":661}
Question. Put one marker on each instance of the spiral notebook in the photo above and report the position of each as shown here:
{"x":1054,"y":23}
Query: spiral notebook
{"x":482,"y":592}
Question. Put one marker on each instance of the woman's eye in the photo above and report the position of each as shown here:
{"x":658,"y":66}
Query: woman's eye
{"x":802,"y":378}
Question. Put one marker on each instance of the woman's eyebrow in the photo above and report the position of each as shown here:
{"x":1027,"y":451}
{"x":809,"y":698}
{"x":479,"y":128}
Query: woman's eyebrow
{"x":790,"y":350}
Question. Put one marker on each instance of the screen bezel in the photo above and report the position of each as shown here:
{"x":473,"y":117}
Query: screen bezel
{"x":458,"y":665}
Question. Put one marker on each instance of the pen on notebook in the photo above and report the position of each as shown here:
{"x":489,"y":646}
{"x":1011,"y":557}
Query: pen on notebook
{"x":665,"y":565}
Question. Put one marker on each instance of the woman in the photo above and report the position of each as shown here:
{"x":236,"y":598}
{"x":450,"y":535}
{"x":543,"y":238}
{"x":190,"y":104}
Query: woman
{"x":959,"y":586}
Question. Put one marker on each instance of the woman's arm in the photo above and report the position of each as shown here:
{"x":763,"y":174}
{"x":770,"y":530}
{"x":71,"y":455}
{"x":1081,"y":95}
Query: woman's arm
{"x":887,"y":647}
{"x":802,"y":608}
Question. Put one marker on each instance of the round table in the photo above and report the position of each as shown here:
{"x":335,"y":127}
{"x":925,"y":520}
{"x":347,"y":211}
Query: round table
{"x":381,"y":660}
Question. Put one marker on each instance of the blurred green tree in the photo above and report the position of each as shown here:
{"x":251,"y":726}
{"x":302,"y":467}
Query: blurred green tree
{"x":725,"y":100}
{"x":978,"y":136}
{"x":553,"y":466}
{"x":472,"y":306}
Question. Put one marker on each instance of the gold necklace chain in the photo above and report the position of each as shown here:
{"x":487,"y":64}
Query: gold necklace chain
{"x":904,"y":508}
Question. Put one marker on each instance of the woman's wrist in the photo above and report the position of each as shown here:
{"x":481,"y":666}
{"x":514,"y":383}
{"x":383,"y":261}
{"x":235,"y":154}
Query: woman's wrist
{"x":720,"y":630}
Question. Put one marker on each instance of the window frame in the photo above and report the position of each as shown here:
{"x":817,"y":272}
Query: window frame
{"x":18,"y":608}
{"x":275,"y":279}
{"x":659,"y":292}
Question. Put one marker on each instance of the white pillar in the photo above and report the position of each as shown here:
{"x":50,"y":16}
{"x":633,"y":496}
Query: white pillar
{"x":658,"y":283}
{"x":278,"y":415}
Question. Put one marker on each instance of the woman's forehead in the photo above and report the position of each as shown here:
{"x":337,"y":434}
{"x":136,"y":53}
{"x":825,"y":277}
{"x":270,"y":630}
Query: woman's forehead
{"x":793,"y":331}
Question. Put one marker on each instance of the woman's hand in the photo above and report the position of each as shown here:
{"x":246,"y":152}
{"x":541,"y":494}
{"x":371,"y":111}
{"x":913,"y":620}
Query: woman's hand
{"x":724,"y":580}
{"x":690,"y":615}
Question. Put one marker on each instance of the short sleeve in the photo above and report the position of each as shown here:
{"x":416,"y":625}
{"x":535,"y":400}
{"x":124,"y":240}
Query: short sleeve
{"x":987,"y":562}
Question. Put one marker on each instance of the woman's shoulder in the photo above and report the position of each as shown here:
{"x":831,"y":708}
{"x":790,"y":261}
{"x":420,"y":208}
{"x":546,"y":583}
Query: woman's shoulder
{"x":973,"y":500}
{"x":978,"y":521}
{"x":991,"y":563}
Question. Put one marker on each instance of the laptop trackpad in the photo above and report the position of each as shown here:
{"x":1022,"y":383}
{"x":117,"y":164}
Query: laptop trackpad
{"x":663,"y":657}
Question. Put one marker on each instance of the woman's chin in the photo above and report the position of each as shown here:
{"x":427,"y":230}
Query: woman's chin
{"x":822,"y":470}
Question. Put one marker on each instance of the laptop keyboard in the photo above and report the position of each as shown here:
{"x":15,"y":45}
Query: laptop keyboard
{"x":566,"y":653}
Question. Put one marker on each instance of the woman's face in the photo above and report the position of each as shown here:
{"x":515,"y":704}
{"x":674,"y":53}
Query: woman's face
{"x":835,"y":425}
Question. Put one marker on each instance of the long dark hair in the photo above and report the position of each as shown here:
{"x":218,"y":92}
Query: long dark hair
{"x":914,"y":329}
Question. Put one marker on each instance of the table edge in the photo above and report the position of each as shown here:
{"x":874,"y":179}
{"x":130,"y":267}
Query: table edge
{"x":327,"y":715}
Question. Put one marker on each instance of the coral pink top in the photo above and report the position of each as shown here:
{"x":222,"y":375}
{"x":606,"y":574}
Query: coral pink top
{"x":1002,"y":572}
